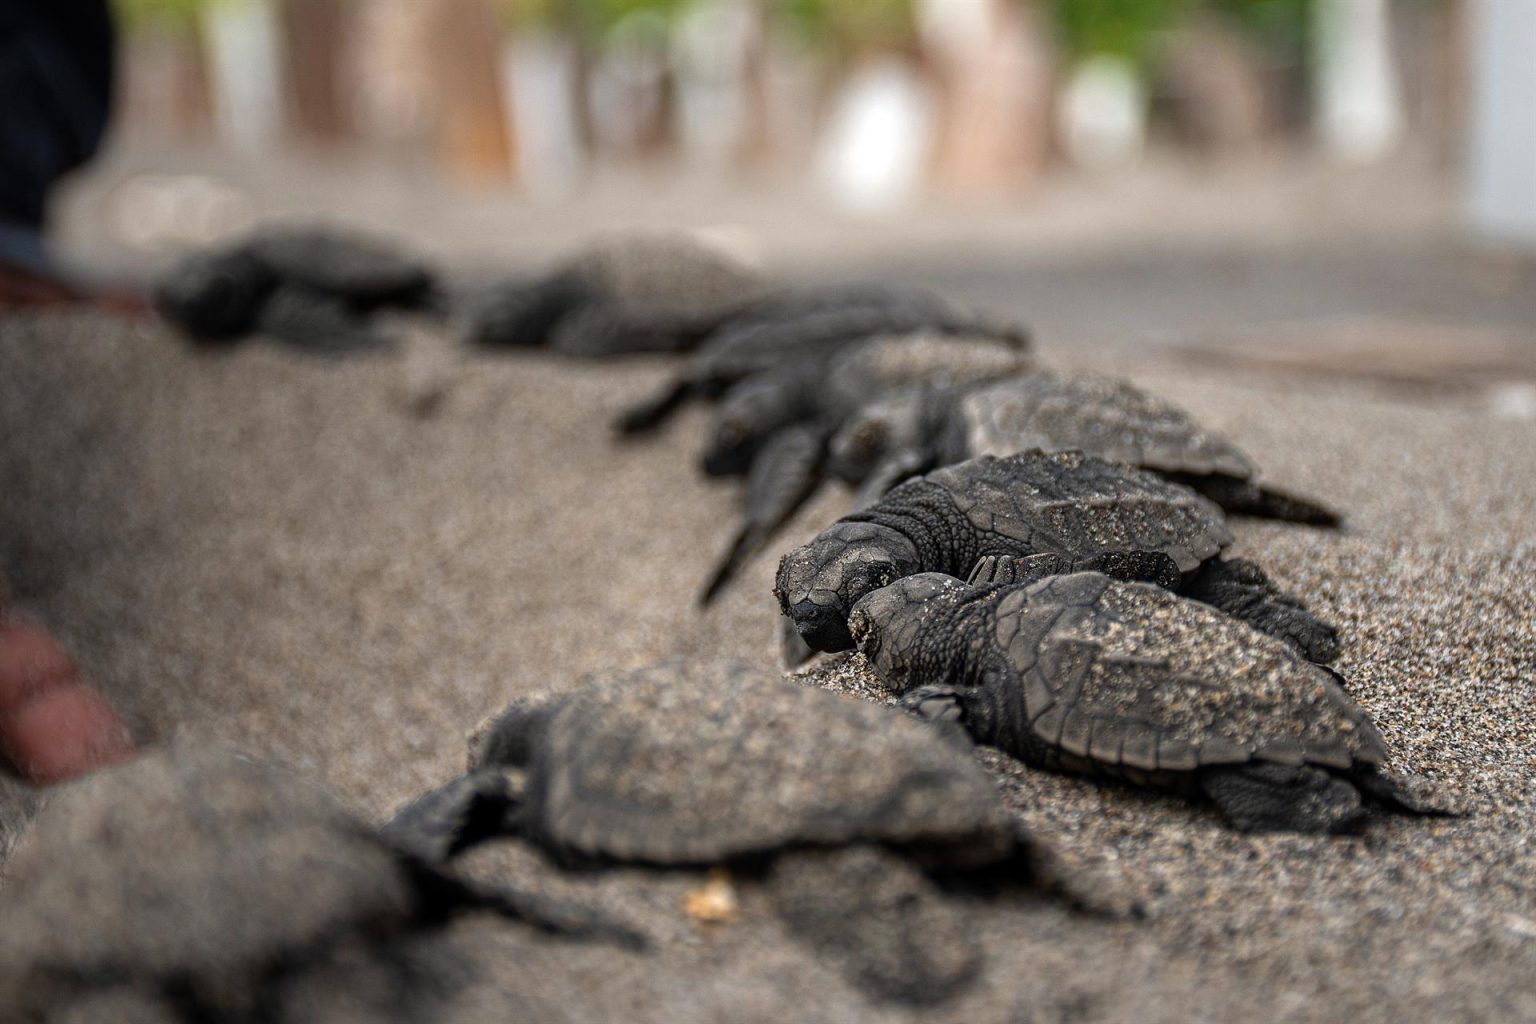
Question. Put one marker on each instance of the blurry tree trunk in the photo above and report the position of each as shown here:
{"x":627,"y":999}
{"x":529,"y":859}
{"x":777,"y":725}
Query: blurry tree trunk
{"x":165,"y":88}
{"x":465,"y":43}
{"x":1217,"y":89}
{"x":756,"y":145}
{"x":314,"y":46}
{"x":994,"y":64}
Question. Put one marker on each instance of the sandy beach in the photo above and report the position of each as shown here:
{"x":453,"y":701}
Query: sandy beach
{"x":343,"y":565}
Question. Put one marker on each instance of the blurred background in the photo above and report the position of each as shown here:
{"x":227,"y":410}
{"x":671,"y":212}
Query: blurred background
{"x":1203,"y":163}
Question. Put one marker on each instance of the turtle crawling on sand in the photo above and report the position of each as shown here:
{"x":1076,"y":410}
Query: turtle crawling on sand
{"x":1088,"y":674}
{"x":798,"y":325}
{"x":920,"y":428}
{"x":1047,"y":512}
{"x":211,"y":885}
{"x":679,"y":768}
{"x":774,"y":425}
{"x":314,"y":288}
{"x":630,"y":293}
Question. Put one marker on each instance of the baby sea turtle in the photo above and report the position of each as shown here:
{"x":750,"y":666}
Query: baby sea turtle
{"x":921,"y":428}
{"x":773,"y":426}
{"x":203,"y":878}
{"x":630,"y":293}
{"x":1046,"y":512}
{"x":310,"y":287}
{"x":798,"y":325}
{"x":677,"y":768}
{"x":1084,"y":673}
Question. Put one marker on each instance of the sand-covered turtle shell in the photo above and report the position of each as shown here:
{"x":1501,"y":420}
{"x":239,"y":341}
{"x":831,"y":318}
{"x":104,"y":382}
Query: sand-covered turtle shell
{"x":1128,"y":674}
{"x":1102,"y":416}
{"x":672,"y":765}
{"x":191,"y":861}
{"x":672,"y":273}
{"x":1077,"y":506}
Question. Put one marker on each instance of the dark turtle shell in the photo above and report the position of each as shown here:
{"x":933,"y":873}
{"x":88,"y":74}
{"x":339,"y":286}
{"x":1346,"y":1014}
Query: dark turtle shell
{"x":1102,"y":416}
{"x":1078,"y":506}
{"x":1088,"y":673}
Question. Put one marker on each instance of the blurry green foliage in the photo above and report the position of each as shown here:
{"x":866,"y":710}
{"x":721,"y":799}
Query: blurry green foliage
{"x":1118,"y":28}
{"x":848,"y":26}
{"x":592,"y":15}
{"x":1280,"y":26}
{"x":133,"y":14}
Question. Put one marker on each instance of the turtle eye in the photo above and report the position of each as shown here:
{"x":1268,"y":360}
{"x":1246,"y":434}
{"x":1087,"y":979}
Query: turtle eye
{"x":870,"y":435}
{"x":732,"y":433}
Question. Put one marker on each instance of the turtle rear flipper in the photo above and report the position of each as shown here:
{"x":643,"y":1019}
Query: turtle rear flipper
{"x":651,"y":413}
{"x":1406,"y":794}
{"x":1242,"y":590}
{"x":1282,"y":798}
{"x":1246,"y":498}
{"x":881,"y":919}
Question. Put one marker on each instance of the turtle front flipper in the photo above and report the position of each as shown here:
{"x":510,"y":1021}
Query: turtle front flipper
{"x":944,"y":707}
{"x":1127,"y":566}
{"x":880,"y":919}
{"x":784,"y":474}
{"x":444,"y":822}
{"x":1242,"y":590}
{"x":793,"y":650}
{"x":650,"y":413}
{"x":564,"y":918}
{"x":1001,"y":570}
{"x":1283,"y":798}
{"x":1410,"y":794}
{"x":889,"y":473}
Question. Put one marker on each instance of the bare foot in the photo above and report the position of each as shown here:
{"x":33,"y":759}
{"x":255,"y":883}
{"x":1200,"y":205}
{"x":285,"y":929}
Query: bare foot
{"x":53,"y":725}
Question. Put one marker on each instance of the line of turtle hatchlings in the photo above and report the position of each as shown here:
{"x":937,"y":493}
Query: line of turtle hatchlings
{"x":1100,"y":630}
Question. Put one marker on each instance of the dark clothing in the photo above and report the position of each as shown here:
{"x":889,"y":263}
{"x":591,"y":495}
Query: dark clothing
{"x":56,"y":71}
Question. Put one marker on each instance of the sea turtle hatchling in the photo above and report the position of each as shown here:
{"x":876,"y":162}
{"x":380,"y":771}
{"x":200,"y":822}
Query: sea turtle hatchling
{"x":627,"y":293}
{"x":920,"y":428}
{"x":802,"y":324}
{"x":774,"y":426}
{"x":1088,"y":674}
{"x":311,"y":287}
{"x":676,"y":768}
{"x":199,"y":877}
{"x":1043,"y":512}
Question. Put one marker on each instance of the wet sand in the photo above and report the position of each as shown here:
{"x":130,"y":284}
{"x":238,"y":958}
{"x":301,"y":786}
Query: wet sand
{"x":344,"y":565}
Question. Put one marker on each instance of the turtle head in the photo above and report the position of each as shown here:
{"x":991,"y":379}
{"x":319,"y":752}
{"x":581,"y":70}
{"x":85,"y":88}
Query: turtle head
{"x":746,"y":416}
{"x":894,"y":626}
{"x":215,"y":296}
{"x":819,"y":582}
{"x":875,"y":433}
{"x":522,"y":312}
{"x":511,"y":737}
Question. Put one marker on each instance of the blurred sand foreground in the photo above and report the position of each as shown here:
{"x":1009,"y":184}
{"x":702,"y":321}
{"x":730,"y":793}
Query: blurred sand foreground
{"x":282,"y":551}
